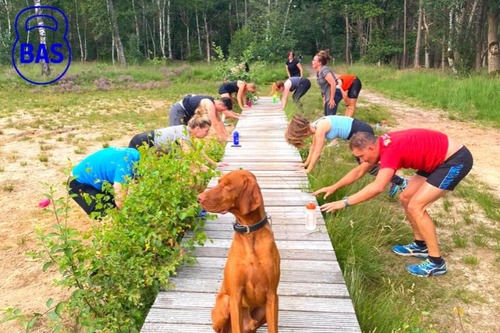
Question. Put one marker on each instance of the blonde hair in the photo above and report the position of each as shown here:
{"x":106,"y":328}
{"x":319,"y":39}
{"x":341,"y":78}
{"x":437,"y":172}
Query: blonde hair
{"x":200,"y":119}
{"x":252,"y":87}
{"x":297,"y":131}
{"x":323,"y":57}
{"x":276,"y":85}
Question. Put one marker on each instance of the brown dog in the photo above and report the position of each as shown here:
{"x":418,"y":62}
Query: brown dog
{"x":248,"y":296}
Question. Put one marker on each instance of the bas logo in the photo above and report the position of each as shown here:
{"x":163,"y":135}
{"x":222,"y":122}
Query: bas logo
{"x":49,"y":31}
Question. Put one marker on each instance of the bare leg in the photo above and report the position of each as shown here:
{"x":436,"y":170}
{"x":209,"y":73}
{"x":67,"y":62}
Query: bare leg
{"x":415,"y":200}
{"x":349,"y":112}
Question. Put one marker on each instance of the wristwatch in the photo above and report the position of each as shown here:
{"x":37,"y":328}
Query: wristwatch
{"x":346,"y":203}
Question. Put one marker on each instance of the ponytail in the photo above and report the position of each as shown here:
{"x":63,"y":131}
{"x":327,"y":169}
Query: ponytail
{"x":200,"y":119}
{"x":276,"y":85}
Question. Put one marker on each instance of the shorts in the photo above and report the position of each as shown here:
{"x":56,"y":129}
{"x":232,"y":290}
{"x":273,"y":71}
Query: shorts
{"x":91,"y":199}
{"x":359,"y":126}
{"x":337,"y":98}
{"x":178,"y":115}
{"x":447,"y":175}
{"x":139,"y":139}
{"x":354,"y":89}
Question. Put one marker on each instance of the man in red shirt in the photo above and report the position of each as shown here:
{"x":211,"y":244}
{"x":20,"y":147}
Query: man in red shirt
{"x":440,"y":164}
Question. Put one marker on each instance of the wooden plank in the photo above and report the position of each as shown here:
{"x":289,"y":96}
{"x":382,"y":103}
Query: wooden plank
{"x":287,"y":319}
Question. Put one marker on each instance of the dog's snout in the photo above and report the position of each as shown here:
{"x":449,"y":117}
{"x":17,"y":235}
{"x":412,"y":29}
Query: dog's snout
{"x":201,"y":197}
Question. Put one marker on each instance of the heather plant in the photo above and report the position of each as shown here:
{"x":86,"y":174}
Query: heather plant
{"x":115,"y":269}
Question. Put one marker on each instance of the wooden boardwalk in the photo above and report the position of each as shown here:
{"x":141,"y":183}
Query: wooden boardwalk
{"x":312,"y":293}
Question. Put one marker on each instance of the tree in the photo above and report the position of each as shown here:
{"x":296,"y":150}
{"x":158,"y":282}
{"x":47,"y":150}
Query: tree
{"x":42,"y":35}
{"x":493,"y":47}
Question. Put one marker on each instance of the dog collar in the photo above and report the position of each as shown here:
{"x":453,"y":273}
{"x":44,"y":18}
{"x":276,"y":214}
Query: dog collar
{"x":246,"y":229}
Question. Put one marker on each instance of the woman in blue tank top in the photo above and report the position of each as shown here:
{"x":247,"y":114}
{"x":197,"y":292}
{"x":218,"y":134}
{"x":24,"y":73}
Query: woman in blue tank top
{"x":326,"y":128}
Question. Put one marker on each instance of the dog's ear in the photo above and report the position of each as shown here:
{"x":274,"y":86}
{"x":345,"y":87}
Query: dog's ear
{"x":251,"y":198}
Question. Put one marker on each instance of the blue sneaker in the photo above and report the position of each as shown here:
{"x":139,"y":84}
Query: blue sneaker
{"x":411,"y":250}
{"x":403,"y":186}
{"x":395,"y":187}
{"x":427,"y":268}
{"x":393,"y":190}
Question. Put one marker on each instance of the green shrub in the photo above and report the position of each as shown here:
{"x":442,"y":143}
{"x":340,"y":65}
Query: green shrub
{"x":116,"y":268}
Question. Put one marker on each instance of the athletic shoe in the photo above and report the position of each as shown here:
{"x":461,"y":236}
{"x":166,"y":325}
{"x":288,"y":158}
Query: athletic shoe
{"x":405,"y":183}
{"x":393,"y":190}
{"x":411,"y":250}
{"x":395,"y":187}
{"x":427,"y":268}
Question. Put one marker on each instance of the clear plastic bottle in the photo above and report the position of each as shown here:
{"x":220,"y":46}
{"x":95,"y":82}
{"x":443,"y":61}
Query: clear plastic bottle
{"x":311,"y":216}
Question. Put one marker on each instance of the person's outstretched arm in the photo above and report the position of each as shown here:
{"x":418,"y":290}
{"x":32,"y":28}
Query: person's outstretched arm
{"x":351,"y":177}
{"x":214,"y":118}
{"x":369,"y":191}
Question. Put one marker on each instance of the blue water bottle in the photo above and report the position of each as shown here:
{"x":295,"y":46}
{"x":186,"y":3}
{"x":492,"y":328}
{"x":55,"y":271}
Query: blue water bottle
{"x":236,"y":139}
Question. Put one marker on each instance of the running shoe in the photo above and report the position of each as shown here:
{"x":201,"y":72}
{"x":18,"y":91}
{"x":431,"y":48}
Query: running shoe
{"x":427,"y":268}
{"x":393,"y":190}
{"x":411,"y":250}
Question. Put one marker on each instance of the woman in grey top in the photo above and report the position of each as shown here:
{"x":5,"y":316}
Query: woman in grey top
{"x":163,"y":139}
{"x":327,"y":82}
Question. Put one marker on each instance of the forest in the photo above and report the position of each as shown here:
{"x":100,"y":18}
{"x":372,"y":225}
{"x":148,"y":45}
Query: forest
{"x":457,"y":34}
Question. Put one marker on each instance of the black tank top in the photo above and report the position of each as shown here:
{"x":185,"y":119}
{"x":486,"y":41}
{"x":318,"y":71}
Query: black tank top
{"x":191,"y":103}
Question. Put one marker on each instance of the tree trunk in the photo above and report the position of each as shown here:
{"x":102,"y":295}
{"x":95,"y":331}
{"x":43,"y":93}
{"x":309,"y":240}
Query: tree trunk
{"x":493,"y":47}
{"x":246,"y":12}
{"x":403,"y":61}
{"x":198,"y":32}
{"x":161,"y":25}
{"x":78,"y":31}
{"x":42,"y":34}
{"x":169,"y":33}
{"x":116,"y":34}
{"x":416,"y":63}
{"x":426,"y":41}
{"x":207,"y":35}
{"x":286,"y":17}
{"x":7,"y":11}
{"x":185,"y":21}
{"x":347,"y":37}
{"x":136,"y":24}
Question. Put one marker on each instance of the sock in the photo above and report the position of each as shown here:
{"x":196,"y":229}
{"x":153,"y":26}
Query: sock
{"x":436,"y":260}
{"x":420,"y":243}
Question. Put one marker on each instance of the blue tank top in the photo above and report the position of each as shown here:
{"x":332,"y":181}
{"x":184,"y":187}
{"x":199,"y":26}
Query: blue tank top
{"x":341,"y":126}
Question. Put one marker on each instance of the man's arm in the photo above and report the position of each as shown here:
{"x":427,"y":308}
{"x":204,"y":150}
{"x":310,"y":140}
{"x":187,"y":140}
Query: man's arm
{"x":369,"y":191}
{"x":351,"y":177}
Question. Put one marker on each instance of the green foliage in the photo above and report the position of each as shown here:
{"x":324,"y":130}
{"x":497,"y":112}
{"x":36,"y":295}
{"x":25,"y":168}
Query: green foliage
{"x":116,"y":269}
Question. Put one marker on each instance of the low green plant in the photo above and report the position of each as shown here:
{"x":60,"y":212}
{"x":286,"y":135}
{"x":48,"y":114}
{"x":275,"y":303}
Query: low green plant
{"x":470,"y":260}
{"x":115,"y":269}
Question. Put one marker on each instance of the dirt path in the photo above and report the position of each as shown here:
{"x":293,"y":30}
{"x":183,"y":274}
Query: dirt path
{"x":484,"y":143}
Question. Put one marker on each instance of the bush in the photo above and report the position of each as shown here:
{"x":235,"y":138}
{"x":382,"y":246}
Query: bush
{"x":116,"y":269}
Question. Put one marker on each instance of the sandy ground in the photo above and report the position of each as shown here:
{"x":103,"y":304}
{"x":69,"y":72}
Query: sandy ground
{"x":22,"y":178}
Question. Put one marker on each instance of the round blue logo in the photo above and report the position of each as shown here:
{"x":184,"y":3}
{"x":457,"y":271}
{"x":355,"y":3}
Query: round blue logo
{"x":42,"y":20}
